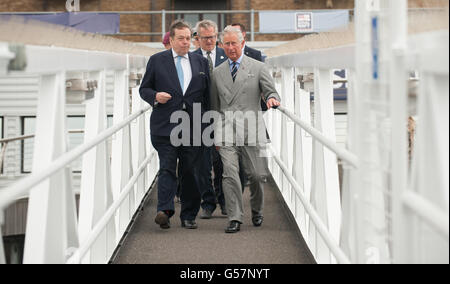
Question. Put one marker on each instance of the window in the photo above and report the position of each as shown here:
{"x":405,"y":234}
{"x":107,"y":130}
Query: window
{"x":28,"y":128}
{"x":75,"y":139}
{"x":202,"y":5}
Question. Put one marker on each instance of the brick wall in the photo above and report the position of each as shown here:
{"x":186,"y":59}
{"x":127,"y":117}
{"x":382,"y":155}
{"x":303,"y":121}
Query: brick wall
{"x":148,"y":23}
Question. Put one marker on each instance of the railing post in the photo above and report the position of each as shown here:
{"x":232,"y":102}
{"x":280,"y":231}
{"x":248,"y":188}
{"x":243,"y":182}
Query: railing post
{"x":163,"y":23}
{"x":252,"y":25}
{"x":139,"y":141}
{"x":121,"y":151}
{"x":428,"y":185}
{"x":325,"y":193}
{"x":275,"y":136}
{"x":349,"y":236}
{"x":302,"y":151}
{"x":362,"y":90}
{"x":96,"y":195}
{"x":287,"y":131}
{"x":398,"y":36}
{"x":51,"y":207}
{"x":153,"y":168}
{"x":2,"y":250}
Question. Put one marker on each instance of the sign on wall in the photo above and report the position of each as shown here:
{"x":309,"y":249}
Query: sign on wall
{"x":304,"y":22}
{"x":73,"y":5}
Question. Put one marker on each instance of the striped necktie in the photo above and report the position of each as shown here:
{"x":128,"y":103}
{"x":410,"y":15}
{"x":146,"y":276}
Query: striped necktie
{"x":234,"y":70}
{"x":210,"y":63}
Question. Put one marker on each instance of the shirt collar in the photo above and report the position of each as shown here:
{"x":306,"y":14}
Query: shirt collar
{"x":175,"y":55}
{"x":238,"y":61}
{"x":213,"y":52}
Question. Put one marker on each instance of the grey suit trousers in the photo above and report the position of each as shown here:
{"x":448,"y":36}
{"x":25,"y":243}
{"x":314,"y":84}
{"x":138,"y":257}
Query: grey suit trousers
{"x":255,"y":168}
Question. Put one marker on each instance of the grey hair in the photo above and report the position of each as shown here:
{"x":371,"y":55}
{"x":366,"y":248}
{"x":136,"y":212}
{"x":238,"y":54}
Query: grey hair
{"x":206,"y":24}
{"x":233,"y":30}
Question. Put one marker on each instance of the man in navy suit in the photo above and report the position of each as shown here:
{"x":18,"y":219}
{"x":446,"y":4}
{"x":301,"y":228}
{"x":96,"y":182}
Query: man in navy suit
{"x":175,"y":80}
{"x":207,"y":32}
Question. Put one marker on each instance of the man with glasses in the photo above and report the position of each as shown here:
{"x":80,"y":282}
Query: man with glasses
{"x":207,"y":32}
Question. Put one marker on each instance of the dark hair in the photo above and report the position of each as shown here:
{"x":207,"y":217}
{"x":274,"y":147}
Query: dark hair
{"x":179,"y":25}
{"x":241,"y":26}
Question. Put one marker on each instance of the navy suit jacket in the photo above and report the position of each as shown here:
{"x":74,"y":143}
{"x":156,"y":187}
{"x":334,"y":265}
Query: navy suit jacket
{"x":220,"y":56}
{"x":253,"y":53}
{"x":161,"y":76}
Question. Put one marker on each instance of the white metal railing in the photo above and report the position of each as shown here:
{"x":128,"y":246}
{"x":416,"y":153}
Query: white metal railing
{"x":23,"y":186}
{"x":4,"y":143}
{"x":344,"y":154}
{"x":388,"y":209}
{"x":112,"y":186}
{"x":315,"y":217}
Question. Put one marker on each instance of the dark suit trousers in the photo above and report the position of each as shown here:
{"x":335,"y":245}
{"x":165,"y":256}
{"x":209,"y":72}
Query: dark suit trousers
{"x":207,"y":189}
{"x":218,"y":172}
{"x":189,"y":176}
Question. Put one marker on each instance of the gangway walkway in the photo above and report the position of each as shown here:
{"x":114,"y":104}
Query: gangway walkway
{"x":277,"y":241}
{"x":374,"y":200}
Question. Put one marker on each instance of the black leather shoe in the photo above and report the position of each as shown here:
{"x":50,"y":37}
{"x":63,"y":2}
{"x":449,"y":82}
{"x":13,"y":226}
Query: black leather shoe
{"x":257,"y":221}
{"x":188,"y":224}
{"x":206,"y":214}
{"x":224,"y":211}
{"x":162,"y":219}
{"x":233,"y":227}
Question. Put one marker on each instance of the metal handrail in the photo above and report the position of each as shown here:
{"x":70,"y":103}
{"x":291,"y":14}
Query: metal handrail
{"x":341,"y":257}
{"x":80,"y":252}
{"x":24,"y":137}
{"x":23,"y":186}
{"x":427,"y":211}
{"x":342,"y":153}
{"x":5,"y":142}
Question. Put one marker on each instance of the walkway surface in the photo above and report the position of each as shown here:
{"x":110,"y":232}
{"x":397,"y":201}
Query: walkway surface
{"x":276,"y":242}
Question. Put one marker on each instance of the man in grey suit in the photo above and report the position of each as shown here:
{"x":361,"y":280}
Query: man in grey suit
{"x":236,"y":91}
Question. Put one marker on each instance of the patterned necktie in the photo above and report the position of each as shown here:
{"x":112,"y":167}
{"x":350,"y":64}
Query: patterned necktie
{"x":210,"y":63}
{"x":234,"y":70}
{"x":180,"y":73}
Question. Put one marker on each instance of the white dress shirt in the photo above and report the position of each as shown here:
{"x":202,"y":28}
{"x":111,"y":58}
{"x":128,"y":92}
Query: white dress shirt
{"x":213,"y":55}
{"x":187,"y":71}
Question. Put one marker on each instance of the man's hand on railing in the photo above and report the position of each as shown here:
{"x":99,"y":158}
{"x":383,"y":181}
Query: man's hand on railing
{"x":273,"y":103}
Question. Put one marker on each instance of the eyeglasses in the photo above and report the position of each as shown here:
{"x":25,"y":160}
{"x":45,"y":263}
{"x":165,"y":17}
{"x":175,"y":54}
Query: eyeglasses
{"x":233,"y":44}
{"x":206,"y":38}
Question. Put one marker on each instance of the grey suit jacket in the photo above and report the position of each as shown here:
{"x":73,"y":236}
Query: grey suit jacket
{"x":238,"y":103}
